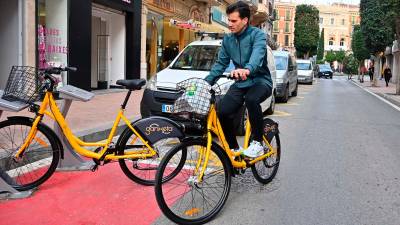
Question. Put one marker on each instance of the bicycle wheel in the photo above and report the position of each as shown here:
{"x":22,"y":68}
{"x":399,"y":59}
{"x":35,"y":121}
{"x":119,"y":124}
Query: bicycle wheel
{"x":143,"y":171}
{"x":184,"y":200}
{"x":39,"y":160}
{"x":265,"y":170}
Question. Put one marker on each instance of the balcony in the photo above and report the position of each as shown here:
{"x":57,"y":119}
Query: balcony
{"x":260,"y":15}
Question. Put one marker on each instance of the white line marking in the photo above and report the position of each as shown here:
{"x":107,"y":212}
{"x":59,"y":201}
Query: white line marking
{"x":379,"y":97}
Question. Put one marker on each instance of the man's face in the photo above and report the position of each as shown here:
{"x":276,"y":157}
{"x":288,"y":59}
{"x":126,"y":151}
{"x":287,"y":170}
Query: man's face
{"x":235,"y":23}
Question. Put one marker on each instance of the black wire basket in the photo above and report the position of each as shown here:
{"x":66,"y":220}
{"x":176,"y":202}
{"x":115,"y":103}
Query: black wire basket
{"x":194,"y":103}
{"x":23,"y":85}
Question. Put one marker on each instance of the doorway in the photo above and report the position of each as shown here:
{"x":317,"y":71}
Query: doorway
{"x":108,"y":47}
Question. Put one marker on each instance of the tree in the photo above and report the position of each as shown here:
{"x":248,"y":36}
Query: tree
{"x":350,"y":64}
{"x":360,"y":52}
{"x":377,"y":28}
{"x":320,"y":50}
{"x":306,"y":30}
{"x":330,"y":57}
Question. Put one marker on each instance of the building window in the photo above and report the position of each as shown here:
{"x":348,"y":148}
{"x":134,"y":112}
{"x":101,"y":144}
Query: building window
{"x":260,"y":1}
{"x":343,"y":22}
{"x":332,"y":21}
{"x":275,"y":37}
{"x":277,"y":14}
{"x":331,"y":40}
{"x":342,"y":42}
{"x":287,"y":27}
{"x":353,"y":20}
{"x":321,"y":20}
{"x":286,"y":40}
{"x":276,"y":26}
{"x":287,"y":16}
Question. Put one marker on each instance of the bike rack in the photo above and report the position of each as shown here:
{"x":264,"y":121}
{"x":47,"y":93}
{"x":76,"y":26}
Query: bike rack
{"x":71,"y":161}
{"x":7,"y":191}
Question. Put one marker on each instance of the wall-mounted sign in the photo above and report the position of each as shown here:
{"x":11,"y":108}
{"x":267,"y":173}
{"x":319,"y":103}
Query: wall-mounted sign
{"x":190,"y":24}
{"x":219,"y":16}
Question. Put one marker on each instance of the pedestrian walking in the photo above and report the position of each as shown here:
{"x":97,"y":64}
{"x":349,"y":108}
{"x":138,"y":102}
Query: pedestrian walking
{"x":371,"y":73}
{"x":387,"y":73}
{"x":363,"y":70}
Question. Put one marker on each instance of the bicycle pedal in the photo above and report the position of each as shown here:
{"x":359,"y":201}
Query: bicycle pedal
{"x":94,"y":168}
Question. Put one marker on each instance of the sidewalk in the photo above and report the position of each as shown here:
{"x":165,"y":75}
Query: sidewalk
{"x":388,"y":93}
{"x":93,"y":119}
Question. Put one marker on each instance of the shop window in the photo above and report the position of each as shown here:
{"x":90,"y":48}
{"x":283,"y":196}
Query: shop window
{"x":52,"y":33}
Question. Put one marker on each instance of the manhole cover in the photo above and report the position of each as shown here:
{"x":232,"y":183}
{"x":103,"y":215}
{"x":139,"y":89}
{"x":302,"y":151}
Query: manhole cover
{"x":247,"y":183}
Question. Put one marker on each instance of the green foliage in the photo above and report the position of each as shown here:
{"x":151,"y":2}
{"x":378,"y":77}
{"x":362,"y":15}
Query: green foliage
{"x":306,"y":30}
{"x":358,"y":46}
{"x":320,"y":61}
{"x":340,"y":55}
{"x":377,"y":24}
{"x":350,"y":64}
{"x":330,"y":57}
{"x":320,"y":51}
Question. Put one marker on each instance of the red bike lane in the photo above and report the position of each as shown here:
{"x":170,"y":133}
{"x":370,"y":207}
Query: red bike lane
{"x":83,"y":197}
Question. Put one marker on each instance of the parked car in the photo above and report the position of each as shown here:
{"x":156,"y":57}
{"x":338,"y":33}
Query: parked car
{"x":286,"y":75}
{"x":324,"y":70}
{"x":305,"y":71}
{"x":195,"y":60}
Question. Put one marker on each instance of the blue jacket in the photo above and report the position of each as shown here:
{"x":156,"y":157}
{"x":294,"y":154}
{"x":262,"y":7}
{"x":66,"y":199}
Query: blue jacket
{"x":246,"y":50}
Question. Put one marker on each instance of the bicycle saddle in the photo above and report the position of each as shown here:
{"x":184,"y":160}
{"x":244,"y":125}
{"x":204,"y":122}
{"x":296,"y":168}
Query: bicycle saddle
{"x":134,"y":84}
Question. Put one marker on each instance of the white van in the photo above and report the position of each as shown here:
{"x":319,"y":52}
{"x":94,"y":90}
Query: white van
{"x":305,"y":71}
{"x":160,"y":93}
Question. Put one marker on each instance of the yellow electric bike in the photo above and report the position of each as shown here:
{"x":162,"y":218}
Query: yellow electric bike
{"x":30,"y":150}
{"x":200,"y":189}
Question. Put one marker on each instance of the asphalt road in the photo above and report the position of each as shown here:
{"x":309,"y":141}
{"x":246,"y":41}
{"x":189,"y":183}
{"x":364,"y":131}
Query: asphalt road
{"x":340,"y":163}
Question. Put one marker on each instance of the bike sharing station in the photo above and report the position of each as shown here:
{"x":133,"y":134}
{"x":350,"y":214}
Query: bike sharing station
{"x":71,"y":160}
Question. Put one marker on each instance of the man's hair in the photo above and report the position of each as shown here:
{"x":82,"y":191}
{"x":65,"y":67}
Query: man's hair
{"x":241,"y":7}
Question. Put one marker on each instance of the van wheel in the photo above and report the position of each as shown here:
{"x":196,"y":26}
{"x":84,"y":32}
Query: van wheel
{"x":271,"y":108}
{"x":285,"y":97}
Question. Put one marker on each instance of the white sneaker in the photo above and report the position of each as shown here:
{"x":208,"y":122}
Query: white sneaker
{"x":238,"y":149}
{"x":254,"y":150}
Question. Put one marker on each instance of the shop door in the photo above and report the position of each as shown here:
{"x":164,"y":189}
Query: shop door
{"x":100,"y":53}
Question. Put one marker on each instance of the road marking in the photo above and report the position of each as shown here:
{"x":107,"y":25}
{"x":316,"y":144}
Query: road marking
{"x":280,"y":113}
{"x":290,"y":104}
{"x":301,"y":97}
{"x":379,"y":97}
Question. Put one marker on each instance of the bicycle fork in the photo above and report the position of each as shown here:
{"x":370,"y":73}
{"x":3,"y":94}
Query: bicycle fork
{"x":28,"y":140}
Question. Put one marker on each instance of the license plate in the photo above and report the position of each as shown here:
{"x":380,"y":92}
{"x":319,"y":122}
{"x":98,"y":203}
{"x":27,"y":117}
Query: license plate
{"x":167,"y":108}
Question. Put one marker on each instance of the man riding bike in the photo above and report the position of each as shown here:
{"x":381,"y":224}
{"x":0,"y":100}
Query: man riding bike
{"x":246,"y":46}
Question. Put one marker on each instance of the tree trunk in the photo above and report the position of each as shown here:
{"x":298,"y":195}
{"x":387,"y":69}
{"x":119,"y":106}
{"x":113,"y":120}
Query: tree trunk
{"x":377,"y":70}
{"x":398,"y":56}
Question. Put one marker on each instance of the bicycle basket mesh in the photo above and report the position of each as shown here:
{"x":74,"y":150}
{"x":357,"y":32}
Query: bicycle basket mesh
{"x":22,"y":85}
{"x":195,"y":98}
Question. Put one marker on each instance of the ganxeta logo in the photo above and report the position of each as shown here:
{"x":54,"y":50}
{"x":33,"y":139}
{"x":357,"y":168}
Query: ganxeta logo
{"x":156,"y":128}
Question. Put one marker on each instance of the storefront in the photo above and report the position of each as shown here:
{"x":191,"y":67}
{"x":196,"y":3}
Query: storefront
{"x":100,"y":37}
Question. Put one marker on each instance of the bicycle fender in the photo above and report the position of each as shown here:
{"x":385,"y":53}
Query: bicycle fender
{"x":156,"y":128}
{"x":44,"y":126}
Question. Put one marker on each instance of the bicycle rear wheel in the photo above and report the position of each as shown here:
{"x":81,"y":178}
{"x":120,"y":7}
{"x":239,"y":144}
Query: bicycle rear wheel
{"x":39,"y":160}
{"x":265,"y":170}
{"x":183,"y":199}
{"x":143,"y":171}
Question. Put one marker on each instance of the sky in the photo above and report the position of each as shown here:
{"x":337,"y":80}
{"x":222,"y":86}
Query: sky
{"x":313,"y":2}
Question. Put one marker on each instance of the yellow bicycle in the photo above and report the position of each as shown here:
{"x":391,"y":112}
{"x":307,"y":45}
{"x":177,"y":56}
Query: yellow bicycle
{"x":30,"y":150}
{"x":200,"y":189}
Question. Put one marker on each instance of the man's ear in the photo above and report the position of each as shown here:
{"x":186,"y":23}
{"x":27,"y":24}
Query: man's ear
{"x":246,"y":20}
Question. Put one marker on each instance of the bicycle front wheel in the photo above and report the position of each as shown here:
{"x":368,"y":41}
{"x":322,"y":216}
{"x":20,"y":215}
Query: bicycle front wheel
{"x":184,"y":199}
{"x":265,"y":170}
{"x":40,"y":158}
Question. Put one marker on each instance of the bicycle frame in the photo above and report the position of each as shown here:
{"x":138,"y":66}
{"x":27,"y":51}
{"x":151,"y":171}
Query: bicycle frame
{"x":214,"y":126}
{"x":75,"y":142}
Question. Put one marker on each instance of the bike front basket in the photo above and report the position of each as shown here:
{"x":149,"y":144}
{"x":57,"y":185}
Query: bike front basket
{"x":195,"y":99}
{"x":23,"y":85}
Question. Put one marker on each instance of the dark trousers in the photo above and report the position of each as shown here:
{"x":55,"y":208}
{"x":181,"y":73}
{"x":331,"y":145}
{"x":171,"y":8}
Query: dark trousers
{"x":387,"y":79}
{"x":230,"y":105}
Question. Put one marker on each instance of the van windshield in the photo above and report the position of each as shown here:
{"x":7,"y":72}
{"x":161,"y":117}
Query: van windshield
{"x":197,"y":57}
{"x":280,"y":62}
{"x":304,"y":66}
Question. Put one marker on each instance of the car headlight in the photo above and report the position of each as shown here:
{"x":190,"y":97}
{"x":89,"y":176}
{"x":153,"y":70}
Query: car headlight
{"x":151,"y":84}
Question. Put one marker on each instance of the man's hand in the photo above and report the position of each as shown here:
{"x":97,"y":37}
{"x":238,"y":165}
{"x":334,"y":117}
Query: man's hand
{"x":240,"y":74}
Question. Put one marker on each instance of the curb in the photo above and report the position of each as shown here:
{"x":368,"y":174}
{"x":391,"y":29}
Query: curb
{"x":382,"y":96}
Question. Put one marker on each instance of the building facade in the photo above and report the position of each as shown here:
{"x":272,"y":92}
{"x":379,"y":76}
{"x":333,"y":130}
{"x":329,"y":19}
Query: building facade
{"x":338,"y":20}
{"x":283,"y":26}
